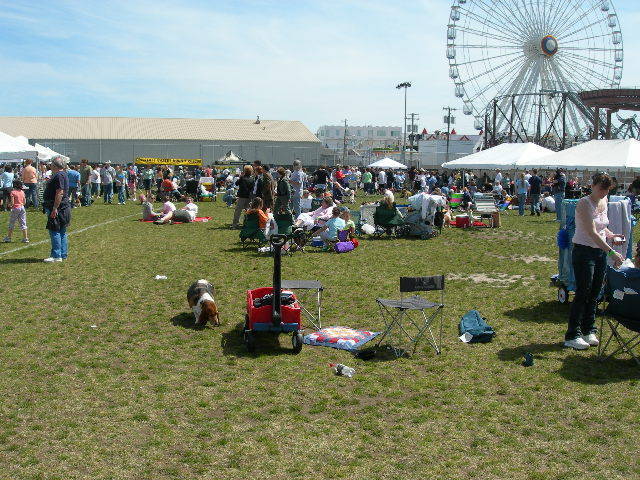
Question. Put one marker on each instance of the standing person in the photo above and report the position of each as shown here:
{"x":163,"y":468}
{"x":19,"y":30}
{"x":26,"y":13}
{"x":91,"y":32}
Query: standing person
{"x":283,"y":192}
{"x":558,"y":188}
{"x":589,"y":260}
{"x":18,"y":213}
{"x":382,"y":180}
{"x":498,"y":177}
{"x":106,"y":180}
{"x":121,"y":185}
{"x":522,"y":187}
{"x":132,"y":181}
{"x":30,"y":180}
{"x":56,"y":207}
{"x":367,"y":181}
{"x":321,"y":179}
{"x":6,"y":183}
{"x":297,"y":181}
{"x":147,"y":177}
{"x":85,"y":184}
{"x":74,"y":179}
{"x":268,"y":187}
{"x":94,"y":178}
{"x":243,"y":197}
{"x":535,"y":189}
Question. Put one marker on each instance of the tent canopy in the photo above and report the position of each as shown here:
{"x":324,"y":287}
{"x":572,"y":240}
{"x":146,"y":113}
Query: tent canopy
{"x":387,"y":163}
{"x":595,"y":155}
{"x":11,"y":149}
{"x":505,"y":155}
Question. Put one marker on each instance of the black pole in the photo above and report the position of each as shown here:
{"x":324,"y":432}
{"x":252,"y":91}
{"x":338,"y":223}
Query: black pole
{"x":277,"y":241}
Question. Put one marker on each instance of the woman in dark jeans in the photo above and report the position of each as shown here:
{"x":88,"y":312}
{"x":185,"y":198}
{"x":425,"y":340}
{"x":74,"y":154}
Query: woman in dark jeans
{"x":245,"y":188}
{"x":589,"y":260}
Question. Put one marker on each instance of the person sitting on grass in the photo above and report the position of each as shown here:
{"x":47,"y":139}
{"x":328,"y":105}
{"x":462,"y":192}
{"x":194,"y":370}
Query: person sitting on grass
{"x":147,"y":209}
{"x":329,"y":232}
{"x":15,"y":202}
{"x":229,"y":196}
{"x":345,"y":215}
{"x":186,"y":214}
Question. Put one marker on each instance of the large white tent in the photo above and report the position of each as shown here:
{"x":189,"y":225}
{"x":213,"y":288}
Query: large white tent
{"x":387,"y":163}
{"x":13,"y":150}
{"x":44,"y":153}
{"x":607,"y":155}
{"x":504,"y":156}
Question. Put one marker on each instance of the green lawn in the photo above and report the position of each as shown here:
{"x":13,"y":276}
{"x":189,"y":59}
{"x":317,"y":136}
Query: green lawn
{"x":103,"y":378}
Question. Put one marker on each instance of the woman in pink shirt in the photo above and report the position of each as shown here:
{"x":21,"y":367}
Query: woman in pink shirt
{"x":18,"y":213}
{"x":318,"y":216}
{"x":589,"y":260}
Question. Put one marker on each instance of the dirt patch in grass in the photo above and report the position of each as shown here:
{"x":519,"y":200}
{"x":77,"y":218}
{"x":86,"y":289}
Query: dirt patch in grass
{"x":493,"y":279}
{"x":524,"y":258}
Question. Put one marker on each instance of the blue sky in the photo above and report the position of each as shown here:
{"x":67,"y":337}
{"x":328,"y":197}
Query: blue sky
{"x":315,"y":61}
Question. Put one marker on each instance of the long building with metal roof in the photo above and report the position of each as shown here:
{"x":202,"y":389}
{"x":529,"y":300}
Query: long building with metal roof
{"x":123,"y":139}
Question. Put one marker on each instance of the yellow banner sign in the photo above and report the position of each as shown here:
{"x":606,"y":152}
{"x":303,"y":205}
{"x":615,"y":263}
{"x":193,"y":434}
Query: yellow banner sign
{"x":169,"y":161}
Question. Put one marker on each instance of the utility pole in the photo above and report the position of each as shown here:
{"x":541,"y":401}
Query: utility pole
{"x":412,"y":135}
{"x":404,"y":85}
{"x":344,"y":144}
{"x":449,"y":120}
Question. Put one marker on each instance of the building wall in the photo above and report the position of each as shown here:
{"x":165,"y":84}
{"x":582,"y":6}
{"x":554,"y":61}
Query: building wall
{"x":365,"y":137}
{"x":433,"y":153}
{"x":126,"y":151}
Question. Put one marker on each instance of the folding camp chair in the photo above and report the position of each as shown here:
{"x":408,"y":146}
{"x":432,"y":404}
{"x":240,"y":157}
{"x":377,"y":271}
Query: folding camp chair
{"x":397,"y":314}
{"x":251,"y":230}
{"x":622,"y":289}
{"x":305,"y":290}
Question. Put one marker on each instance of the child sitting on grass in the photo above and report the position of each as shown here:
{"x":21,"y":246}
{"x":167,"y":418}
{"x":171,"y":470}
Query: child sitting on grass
{"x":230,"y":195}
{"x":18,"y":213}
{"x":345,"y":215}
{"x":329,"y":231}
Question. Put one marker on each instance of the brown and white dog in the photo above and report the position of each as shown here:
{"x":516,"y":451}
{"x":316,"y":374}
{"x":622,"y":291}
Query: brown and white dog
{"x":201,"y":301}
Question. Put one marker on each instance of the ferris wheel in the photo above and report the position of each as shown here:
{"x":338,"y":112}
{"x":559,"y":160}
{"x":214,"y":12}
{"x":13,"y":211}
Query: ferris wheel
{"x":522,"y":51}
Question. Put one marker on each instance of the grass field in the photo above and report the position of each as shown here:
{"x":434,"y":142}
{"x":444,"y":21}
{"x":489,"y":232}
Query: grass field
{"x":103,"y":376}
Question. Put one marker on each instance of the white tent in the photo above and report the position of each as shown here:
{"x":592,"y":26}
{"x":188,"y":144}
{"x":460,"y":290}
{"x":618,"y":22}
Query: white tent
{"x":44,"y":153}
{"x":13,"y":150}
{"x":505,"y":155}
{"x":387,"y":162}
{"x":594,"y":155}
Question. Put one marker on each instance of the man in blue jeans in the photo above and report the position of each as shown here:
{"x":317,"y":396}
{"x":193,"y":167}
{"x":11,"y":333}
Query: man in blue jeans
{"x":535,"y":188}
{"x":559,"y":186}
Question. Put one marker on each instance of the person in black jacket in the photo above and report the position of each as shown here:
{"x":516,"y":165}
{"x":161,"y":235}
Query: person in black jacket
{"x":283,"y":192}
{"x":245,"y":188}
{"x":58,"y":210}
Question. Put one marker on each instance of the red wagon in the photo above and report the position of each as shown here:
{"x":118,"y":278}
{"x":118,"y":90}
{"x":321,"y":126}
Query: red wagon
{"x":269,"y":314}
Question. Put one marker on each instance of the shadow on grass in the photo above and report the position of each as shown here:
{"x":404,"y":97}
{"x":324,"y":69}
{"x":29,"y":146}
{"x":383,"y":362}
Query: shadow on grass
{"x":593,"y":370}
{"x":15,"y":261}
{"x":187,"y":320}
{"x":536,"y":349}
{"x":545,"y":312}
{"x":232,"y":343}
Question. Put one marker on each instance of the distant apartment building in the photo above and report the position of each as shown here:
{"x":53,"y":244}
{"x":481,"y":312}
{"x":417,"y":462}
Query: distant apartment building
{"x":360,"y":138}
{"x":433,"y":150}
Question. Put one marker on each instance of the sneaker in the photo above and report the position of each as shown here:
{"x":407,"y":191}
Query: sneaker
{"x":6,"y":240}
{"x":25,"y":240}
{"x":576,"y":343}
{"x":591,"y":339}
{"x":51,"y":260}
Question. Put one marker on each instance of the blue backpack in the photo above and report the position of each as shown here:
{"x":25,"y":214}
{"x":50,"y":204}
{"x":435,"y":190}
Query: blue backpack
{"x":473,"y":323}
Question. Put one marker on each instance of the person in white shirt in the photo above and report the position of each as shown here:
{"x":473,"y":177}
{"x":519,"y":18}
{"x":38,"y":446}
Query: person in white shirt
{"x":186,"y":214}
{"x":498,"y":178}
{"x":548,"y":203}
{"x":382,"y":179}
